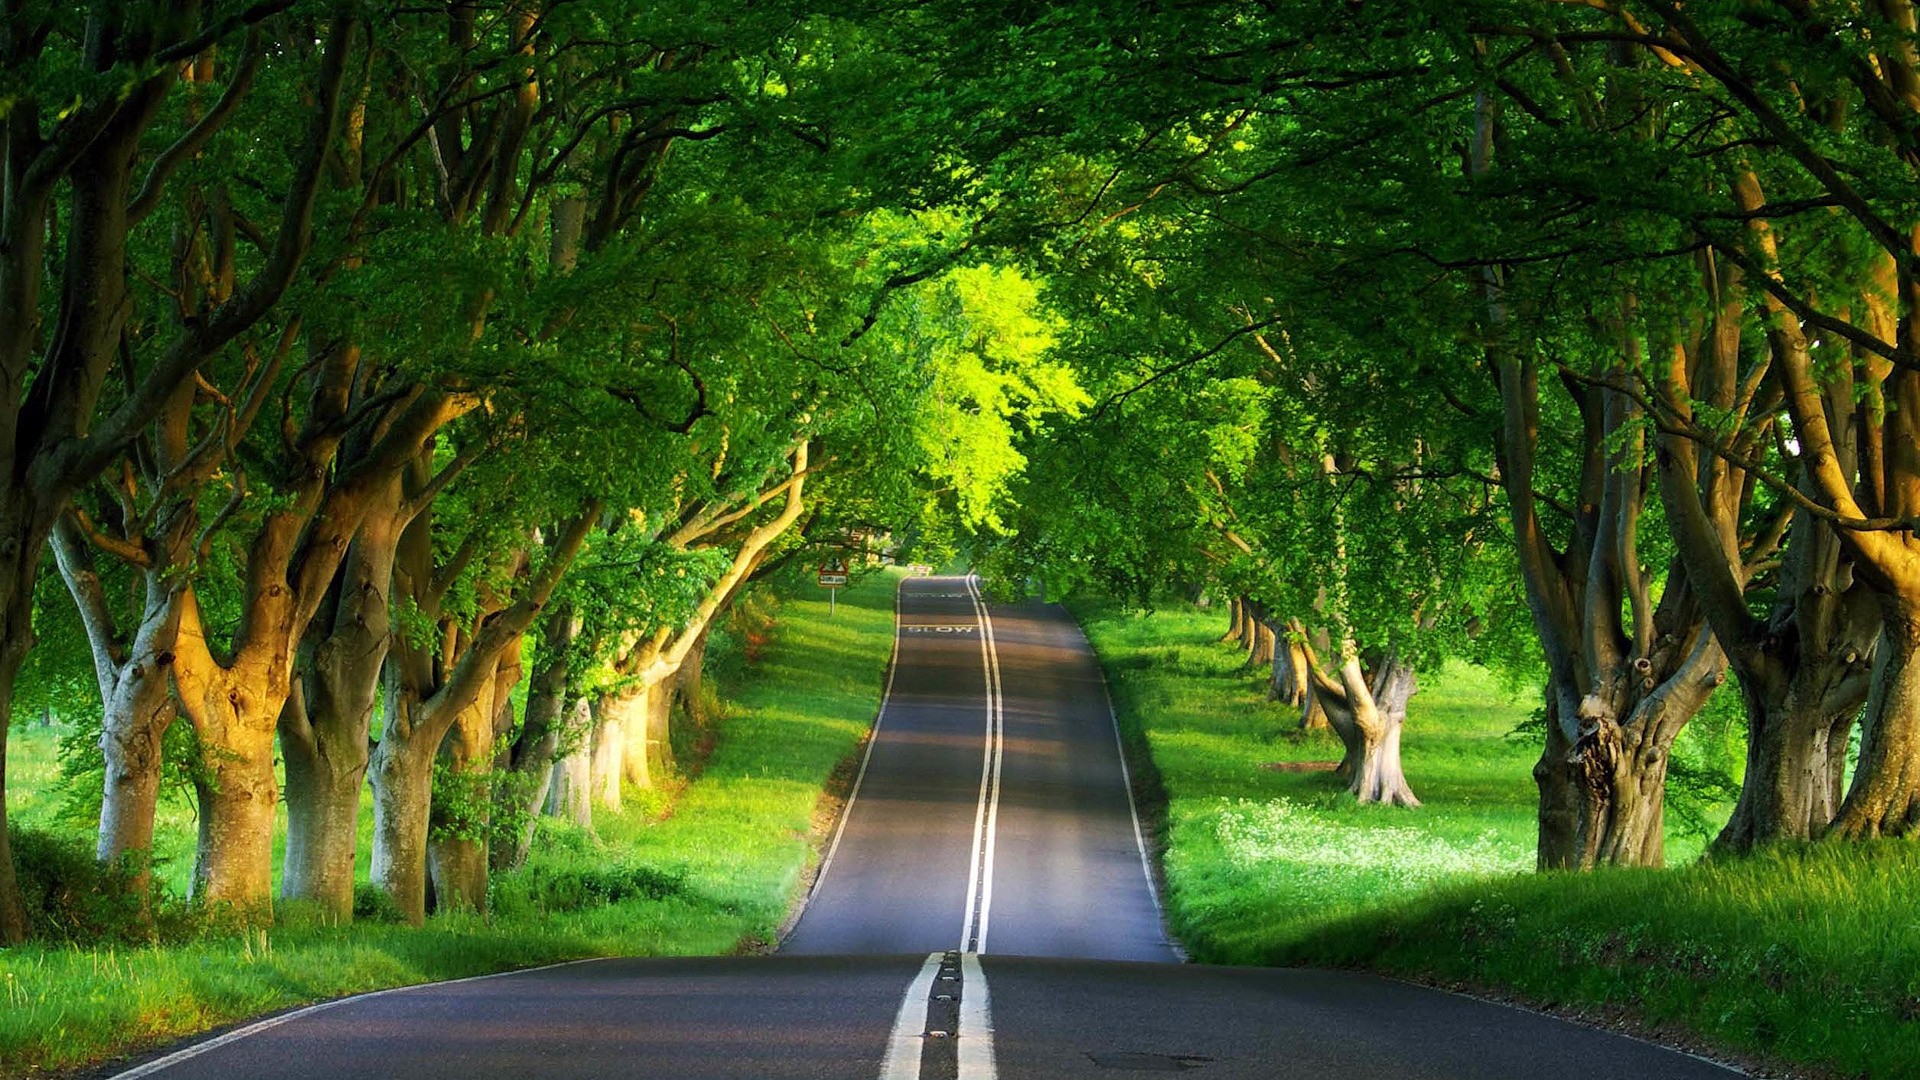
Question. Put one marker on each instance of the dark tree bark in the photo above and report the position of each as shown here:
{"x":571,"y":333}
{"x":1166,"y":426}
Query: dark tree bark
{"x":326,"y":730}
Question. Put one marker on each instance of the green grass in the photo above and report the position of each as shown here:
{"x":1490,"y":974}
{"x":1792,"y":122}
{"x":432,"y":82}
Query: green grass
{"x":1810,"y":956}
{"x":716,"y":874}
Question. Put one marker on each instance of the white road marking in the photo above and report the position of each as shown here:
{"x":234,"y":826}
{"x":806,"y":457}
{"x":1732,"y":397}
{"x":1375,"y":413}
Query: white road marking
{"x":903,"y":1049}
{"x":973,"y":929}
{"x":893,"y":665}
{"x":975,"y":1044}
{"x":998,"y":690}
{"x":1133,"y":809}
{"x":194,"y":1051}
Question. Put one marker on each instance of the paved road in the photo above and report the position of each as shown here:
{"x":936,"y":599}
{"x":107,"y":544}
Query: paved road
{"x":995,"y":778}
{"x":984,"y":912}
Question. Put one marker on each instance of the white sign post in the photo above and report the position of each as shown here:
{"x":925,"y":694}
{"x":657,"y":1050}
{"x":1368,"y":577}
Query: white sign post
{"x":833,"y":576}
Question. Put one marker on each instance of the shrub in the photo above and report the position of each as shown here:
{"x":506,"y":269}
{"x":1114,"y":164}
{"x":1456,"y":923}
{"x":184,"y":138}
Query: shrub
{"x":73,"y":897}
{"x":550,"y":888}
{"x":371,"y":903}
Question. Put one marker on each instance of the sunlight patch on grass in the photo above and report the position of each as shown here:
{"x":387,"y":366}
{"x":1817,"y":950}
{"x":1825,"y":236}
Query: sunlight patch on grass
{"x":1301,"y":857}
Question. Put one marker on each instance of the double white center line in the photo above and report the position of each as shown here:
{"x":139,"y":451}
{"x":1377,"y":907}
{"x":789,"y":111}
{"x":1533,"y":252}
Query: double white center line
{"x":947,"y":1003}
{"x":946,"y":1006}
{"x":986,"y":819}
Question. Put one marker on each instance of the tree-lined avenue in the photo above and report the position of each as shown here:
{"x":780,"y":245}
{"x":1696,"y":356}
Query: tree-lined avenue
{"x":1073,"y":916}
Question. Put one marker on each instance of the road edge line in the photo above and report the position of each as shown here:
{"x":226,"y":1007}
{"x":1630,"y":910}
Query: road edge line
{"x":1133,"y":806}
{"x":904,"y":1046}
{"x":194,"y":1050}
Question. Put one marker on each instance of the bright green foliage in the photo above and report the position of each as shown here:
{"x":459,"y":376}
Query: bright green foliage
{"x":983,"y":339}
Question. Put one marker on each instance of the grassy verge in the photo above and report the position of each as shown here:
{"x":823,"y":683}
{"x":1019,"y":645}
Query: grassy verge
{"x":1808,"y":957}
{"x":714,"y":874}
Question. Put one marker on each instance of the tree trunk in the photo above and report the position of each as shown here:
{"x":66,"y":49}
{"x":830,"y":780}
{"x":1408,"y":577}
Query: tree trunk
{"x":570,"y":795}
{"x":1798,"y":732}
{"x":233,"y":865}
{"x":402,"y":774}
{"x":689,"y":684}
{"x":609,"y":747}
{"x":1603,"y":780}
{"x":326,"y":734}
{"x":135,"y":681}
{"x":1262,"y":644}
{"x":457,"y":838}
{"x":16,"y":637}
{"x":324,"y":834}
{"x":1885,"y":797}
{"x":133,"y":724}
{"x":1236,"y":620}
{"x":530,"y":760}
{"x":1368,"y":710}
{"x":1597,"y":807}
{"x":646,"y":717}
{"x":1292,"y":679}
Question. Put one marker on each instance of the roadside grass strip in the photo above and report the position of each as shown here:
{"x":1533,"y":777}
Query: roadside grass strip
{"x":1804,"y":958}
{"x":714,"y":874}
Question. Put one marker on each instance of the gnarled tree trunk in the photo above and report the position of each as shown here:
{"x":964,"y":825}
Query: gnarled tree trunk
{"x":1885,"y":797}
{"x":531,"y":760}
{"x":1368,"y":709}
{"x":234,"y":712}
{"x":570,"y":796}
{"x":1603,"y":776}
{"x":326,"y":732}
{"x":136,"y":693}
{"x":457,"y":859}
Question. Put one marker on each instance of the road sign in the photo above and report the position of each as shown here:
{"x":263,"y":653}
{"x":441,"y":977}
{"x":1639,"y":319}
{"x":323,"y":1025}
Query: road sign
{"x":832,"y":577}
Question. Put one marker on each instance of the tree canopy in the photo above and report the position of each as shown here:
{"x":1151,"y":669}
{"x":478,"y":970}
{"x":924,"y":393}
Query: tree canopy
{"x":405,"y":390}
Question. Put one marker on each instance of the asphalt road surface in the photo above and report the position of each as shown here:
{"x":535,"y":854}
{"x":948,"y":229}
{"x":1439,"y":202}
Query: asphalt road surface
{"x":984,"y":910}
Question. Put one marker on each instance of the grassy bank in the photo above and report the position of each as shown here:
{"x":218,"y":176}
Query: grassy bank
{"x":1807,"y":957}
{"x":714,"y":872}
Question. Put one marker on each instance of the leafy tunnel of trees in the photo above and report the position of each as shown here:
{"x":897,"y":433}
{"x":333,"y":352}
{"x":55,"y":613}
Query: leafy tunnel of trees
{"x":397,"y":394}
